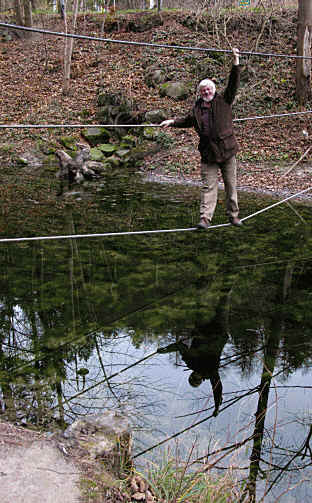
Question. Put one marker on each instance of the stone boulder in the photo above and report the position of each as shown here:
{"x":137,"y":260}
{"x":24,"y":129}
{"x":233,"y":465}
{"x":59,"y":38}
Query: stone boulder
{"x":114,"y":109}
{"x":105,"y":436}
{"x":155,"y":76}
{"x":145,"y":22}
{"x":177,"y":90}
{"x":95,"y":135}
{"x":155,"y":116}
{"x":31,"y":159}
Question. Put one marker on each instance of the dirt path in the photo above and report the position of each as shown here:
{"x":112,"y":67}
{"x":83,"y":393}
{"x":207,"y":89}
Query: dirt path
{"x":34,"y":470}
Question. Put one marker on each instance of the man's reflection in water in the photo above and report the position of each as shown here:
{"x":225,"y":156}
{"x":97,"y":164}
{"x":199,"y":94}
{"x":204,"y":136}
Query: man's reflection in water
{"x":202,"y":353}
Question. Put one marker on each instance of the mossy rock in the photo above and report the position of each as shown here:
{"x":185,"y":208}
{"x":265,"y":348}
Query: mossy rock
{"x":21,"y":161}
{"x":68,"y":142}
{"x":128,"y":140}
{"x":96,"y":154}
{"x":177,"y":90}
{"x":150,"y":133}
{"x":106,"y":166}
{"x":122,"y":152}
{"x":96,"y":135}
{"x":113,"y":161}
{"x":155,"y":116}
{"x":138,"y":153}
{"x":149,"y":148}
{"x":47,"y":148}
{"x":107,"y":148}
{"x":155,"y":76}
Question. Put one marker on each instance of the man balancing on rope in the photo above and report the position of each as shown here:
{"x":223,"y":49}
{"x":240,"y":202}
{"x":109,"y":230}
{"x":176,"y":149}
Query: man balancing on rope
{"x":211,"y":117}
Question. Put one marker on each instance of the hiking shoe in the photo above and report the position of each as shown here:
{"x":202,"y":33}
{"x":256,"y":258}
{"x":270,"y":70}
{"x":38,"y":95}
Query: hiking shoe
{"x":236,"y":221}
{"x":204,"y":224}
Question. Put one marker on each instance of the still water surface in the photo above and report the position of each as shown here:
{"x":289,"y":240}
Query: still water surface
{"x":224,"y":318}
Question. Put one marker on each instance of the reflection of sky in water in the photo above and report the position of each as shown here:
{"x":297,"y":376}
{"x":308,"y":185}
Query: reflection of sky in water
{"x":156,"y":392}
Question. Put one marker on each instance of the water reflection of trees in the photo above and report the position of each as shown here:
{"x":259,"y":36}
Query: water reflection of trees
{"x":63,"y":306}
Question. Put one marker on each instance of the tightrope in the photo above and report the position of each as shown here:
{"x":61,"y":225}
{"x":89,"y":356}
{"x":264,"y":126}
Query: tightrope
{"x":159,"y":231}
{"x":276,"y":204}
{"x":148,"y":44}
{"x":43,"y":126}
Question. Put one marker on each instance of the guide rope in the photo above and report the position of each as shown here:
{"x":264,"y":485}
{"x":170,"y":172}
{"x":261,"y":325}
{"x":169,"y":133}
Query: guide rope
{"x":52,"y":126}
{"x":159,"y":231}
{"x":148,"y":44}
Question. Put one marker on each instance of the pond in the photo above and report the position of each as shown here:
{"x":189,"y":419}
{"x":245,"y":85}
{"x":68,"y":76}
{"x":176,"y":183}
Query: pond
{"x":202,"y":338}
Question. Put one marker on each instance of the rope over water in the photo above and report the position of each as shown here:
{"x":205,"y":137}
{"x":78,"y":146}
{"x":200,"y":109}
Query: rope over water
{"x":160,"y":231}
{"x":166,"y":46}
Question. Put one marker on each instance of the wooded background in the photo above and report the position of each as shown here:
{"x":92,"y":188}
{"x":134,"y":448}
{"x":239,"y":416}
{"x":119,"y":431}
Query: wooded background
{"x":22,"y":11}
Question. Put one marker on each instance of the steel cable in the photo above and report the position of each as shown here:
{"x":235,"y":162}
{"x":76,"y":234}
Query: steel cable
{"x":43,"y":126}
{"x":160,"y":231}
{"x":149,"y":44}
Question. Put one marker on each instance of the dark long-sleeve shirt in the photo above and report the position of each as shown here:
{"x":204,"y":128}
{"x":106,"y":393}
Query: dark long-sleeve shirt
{"x":215,"y":128}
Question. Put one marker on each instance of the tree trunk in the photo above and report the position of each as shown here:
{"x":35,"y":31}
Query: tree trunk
{"x":69,"y":42}
{"x":61,"y":8}
{"x":304,"y":36}
{"x":18,"y":12}
{"x":28,"y":14}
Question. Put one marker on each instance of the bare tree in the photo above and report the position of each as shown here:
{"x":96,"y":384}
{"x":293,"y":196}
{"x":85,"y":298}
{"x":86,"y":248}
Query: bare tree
{"x":304,"y":35}
{"x":28,"y":13}
{"x":69,"y":42}
{"x":23,"y":15}
{"x":18,"y":12}
{"x":155,"y":3}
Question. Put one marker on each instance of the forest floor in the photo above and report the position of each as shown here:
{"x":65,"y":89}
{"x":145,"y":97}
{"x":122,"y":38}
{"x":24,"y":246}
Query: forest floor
{"x":31,"y":75}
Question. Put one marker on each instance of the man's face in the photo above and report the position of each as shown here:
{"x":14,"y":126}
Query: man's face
{"x":207,"y":92}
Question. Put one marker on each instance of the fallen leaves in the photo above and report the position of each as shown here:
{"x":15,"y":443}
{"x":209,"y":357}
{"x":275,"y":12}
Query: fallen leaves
{"x":32,"y":93}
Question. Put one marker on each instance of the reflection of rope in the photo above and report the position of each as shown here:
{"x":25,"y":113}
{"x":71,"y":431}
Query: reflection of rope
{"x":44,"y":126}
{"x":165,"y":46}
{"x":160,"y":231}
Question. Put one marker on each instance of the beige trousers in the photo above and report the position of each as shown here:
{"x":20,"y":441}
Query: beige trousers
{"x":209,"y":191}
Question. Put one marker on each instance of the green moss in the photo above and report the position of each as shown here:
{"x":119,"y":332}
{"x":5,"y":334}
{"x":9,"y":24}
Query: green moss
{"x":96,"y":154}
{"x":128,"y":140}
{"x":150,"y":133}
{"x":107,"y":148}
{"x":6,"y":148}
{"x":68,"y":142}
{"x":96,"y":135}
{"x":113,"y":160}
{"x":122,"y":152}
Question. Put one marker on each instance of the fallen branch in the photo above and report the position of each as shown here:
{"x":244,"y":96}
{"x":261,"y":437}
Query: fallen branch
{"x":297,"y":162}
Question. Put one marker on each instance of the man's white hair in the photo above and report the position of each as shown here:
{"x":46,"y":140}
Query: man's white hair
{"x":206,"y":82}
